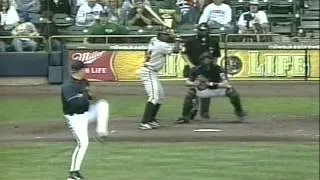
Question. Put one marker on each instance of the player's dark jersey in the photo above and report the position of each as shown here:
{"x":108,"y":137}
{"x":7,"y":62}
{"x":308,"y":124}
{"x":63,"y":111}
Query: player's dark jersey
{"x":194,"y":49}
{"x":74,"y":96}
{"x":213,"y":74}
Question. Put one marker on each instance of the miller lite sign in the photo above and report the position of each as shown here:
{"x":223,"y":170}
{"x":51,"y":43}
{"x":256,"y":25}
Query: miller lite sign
{"x":99,"y":63}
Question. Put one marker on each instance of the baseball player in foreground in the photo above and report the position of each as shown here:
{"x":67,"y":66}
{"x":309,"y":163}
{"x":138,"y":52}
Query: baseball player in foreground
{"x":159,"y":47}
{"x":209,"y":81}
{"x":80,"y":107}
{"x":193,"y":49}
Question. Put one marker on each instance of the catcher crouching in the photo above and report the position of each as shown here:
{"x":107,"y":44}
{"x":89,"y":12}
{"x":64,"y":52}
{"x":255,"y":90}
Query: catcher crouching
{"x":208,"y":80}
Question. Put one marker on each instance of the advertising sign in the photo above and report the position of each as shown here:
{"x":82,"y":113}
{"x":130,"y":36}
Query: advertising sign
{"x":124,"y":65}
{"x":100,"y":64}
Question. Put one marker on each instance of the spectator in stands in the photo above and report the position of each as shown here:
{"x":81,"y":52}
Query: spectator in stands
{"x":189,"y":9}
{"x":57,"y":6}
{"x":254,"y":21}
{"x":142,"y":17}
{"x":217,"y":15}
{"x":32,"y":7}
{"x":105,"y":26}
{"x":169,"y":12}
{"x":112,"y":10}
{"x":9,"y":15}
{"x":81,"y":2}
{"x":13,"y":3}
{"x":128,"y":9}
{"x":204,"y":3}
{"x":88,"y":13}
{"x":25,"y":28}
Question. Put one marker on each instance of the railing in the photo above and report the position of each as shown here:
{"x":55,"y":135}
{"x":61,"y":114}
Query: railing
{"x":44,"y":40}
{"x":84,"y":41}
{"x":226,"y":44}
{"x":29,"y":37}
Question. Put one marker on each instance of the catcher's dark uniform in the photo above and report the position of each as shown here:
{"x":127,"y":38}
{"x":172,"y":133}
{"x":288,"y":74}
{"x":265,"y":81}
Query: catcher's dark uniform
{"x":215,"y":84}
{"x":194,"y":48}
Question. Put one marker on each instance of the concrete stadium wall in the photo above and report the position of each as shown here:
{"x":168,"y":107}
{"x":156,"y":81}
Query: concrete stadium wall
{"x":30,"y":67}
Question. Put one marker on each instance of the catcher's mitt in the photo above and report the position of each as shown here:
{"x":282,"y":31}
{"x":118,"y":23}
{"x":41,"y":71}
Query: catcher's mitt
{"x":202,"y":83}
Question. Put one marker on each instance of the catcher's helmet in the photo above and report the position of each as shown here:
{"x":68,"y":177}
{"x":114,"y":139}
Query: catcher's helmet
{"x":166,"y":35}
{"x":205,"y":55}
{"x":206,"y":59}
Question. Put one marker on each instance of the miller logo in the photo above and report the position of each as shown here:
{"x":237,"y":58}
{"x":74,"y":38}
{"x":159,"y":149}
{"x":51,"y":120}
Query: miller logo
{"x":87,"y":57}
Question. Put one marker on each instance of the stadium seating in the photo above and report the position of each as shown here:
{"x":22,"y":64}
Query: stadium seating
{"x":290,"y":18}
{"x":309,"y":22}
{"x":62,"y":20}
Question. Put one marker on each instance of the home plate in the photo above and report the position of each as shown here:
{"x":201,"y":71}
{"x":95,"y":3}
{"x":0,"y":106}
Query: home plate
{"x":207,"y":130}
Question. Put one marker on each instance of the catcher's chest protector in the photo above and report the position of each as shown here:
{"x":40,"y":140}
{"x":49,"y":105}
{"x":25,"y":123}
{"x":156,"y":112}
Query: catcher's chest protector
{"x":213,"y":75}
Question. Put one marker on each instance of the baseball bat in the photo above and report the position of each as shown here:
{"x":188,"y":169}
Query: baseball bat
{"x":155,"y":15}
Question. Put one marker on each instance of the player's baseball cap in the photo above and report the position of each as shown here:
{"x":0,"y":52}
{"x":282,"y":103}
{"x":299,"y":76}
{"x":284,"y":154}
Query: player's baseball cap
{"x":77,"y":65}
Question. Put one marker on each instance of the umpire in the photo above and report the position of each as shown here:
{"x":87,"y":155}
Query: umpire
{"x":194,"y":48}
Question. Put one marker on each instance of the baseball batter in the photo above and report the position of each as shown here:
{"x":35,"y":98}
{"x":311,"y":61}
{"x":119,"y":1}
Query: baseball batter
{"x":209,"y":81}
{"x":79,"y":111}
{"x":159,"y":47}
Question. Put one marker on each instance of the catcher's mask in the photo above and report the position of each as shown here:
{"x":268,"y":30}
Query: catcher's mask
{"x":206,"y":60}
{"x":166,"y":35}
{"x":203,"y":30}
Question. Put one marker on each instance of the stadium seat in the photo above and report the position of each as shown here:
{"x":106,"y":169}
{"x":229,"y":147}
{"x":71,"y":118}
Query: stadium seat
{"x":309,"y":22}
{"x":62,"y":20}
{"x":282,"y":7}
{"x":186,"y":29}
{"x":73,"y":30}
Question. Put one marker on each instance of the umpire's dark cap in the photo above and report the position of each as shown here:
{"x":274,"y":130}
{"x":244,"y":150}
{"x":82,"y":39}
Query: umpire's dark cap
{"x":203,"y":26}
{"x":77,"y":65}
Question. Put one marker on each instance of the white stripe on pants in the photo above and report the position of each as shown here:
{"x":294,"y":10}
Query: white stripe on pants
{"x":207,"y":93}
{"x":78,"y":124}
{"x":152,"y":85}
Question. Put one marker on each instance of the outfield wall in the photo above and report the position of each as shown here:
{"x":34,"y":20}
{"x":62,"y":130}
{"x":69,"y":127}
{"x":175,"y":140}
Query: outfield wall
{"x":121,"y":62}
{"x":253,"y":64}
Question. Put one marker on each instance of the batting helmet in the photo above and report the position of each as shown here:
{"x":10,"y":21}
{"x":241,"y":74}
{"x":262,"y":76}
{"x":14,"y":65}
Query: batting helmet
{"x":166,"y":35}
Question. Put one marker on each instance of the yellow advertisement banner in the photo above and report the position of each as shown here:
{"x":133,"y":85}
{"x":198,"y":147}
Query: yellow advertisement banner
{"x":242,"y":64}
{"x":272,"y":64}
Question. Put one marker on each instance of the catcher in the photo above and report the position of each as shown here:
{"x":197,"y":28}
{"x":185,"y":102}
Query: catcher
{"x":208,"y":80}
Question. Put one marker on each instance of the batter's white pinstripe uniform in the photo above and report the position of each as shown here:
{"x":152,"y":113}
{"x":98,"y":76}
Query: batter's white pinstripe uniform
{"x":155,"y":59}
{"x":157,"y":51}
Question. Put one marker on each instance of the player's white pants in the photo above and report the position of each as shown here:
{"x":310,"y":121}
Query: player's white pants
{"x":78,"y":124}
{"x":207,"y":93}
{"x":152,"y":85}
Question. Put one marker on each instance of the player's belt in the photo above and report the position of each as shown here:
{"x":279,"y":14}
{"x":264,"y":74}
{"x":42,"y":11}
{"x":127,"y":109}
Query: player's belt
{"x":150,"y":68}
{"x":71,"y":114}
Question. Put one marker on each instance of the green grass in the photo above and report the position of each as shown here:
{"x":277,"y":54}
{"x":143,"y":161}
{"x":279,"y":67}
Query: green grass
{"x":188,"y":161}
{"x":24,"y":110}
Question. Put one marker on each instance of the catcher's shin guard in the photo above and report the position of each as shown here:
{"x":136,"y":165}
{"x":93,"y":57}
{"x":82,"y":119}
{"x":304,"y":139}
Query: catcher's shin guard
{"x":235,"y":100}
{"x":195,"y":108}
{"x":204,"y":107}
{"x":148,"y":112}
{"x":188,"y":103}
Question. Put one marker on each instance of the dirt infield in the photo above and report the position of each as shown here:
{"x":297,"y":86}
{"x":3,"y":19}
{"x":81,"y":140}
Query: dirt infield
{"x":291,"y":129}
